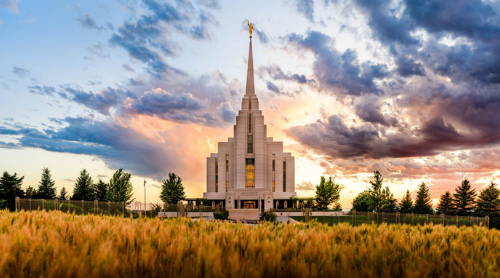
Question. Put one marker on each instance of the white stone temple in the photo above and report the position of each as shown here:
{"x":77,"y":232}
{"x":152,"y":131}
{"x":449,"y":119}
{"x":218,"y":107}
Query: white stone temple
{"x":250,"y":170}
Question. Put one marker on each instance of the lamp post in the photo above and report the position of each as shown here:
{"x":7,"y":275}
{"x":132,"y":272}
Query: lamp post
{"x":144,"y":195}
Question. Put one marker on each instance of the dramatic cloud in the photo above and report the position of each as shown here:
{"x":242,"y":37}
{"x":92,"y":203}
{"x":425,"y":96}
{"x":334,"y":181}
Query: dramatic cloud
{"x":336,"y":70}
{"x":118,"y":146}
{"x":148,"y":38}
{"x":276,"y":73}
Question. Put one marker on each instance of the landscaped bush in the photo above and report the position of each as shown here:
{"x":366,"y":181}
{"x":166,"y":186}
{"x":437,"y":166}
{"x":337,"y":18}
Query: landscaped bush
{"x":268,"y":216}
{"x":221,"y":214}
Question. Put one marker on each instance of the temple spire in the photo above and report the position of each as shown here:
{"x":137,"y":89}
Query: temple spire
{"x":250,"y":89}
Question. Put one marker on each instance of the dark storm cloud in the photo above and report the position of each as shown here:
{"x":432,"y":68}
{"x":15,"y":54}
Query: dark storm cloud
{"x":471,"y":18}
{"x":146,"y":38}
{"x":336,"y":70}
{"x":407,"y":66}
{"x":476,"y":20}
{"x":118,"y":146}
{"x":368,"y":109}
{"x":333,"y":138}
{"x":386,"y":26}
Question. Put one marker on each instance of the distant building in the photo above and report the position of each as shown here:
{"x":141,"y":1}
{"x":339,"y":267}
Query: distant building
{"x":250,"y":170}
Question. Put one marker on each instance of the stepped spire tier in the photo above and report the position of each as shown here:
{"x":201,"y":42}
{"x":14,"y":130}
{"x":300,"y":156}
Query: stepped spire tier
{"x":250,"y":171}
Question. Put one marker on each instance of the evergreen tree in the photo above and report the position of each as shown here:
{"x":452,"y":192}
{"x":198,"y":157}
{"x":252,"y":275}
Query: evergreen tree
{"x":172,"y":190}
{"x":488,"y":200}
{"x":83,"y":187}
{"x":46,"y":187}
{"x":327,"y":192}
{"x":10,"y":188}
{"x":63,"y":195}
{"x":445,"y":205}
{"x":388,"y":203}
{"x":423,"y":203}
{"x":120,"y":187}
{"x":376,"y":191}
{"x":406,"y":204}
{"x":31,"y":192}
{"x":101,"y":191}
{"x":463,"y":198}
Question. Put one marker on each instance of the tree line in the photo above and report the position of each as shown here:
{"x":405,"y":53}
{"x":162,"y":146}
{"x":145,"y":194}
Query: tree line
{"x":464,"y":201}
{"x":118,"y":189}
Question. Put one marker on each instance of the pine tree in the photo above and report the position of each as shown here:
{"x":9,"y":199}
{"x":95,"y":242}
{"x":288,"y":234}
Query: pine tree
{"x":376,"y":191}
{"x":389,"y":203}
{"x":10,"y":188}
{"x":46,"y":187}
{"x":488,"y":200}
{"x":63,"y":195}
{"x":406,"y":204}
{"x":83,"y":187}
{"x":423,"y":203}
{"x":31,"y":192}
{"x":172,"y":190}
{"x":463,"y":198}
{"x":445,"y":204}
{"x":120,"y":187}
{"x":101,"y":190}
{"x":327,"y":192}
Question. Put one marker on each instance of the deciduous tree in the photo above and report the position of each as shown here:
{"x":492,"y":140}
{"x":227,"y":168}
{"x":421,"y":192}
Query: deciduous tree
{"x":120,"y":187}
{"x":327,"y":192}
{"x":172,"y":190}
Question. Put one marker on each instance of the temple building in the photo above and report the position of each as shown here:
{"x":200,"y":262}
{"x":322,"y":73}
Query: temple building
{"x":250,"y":170}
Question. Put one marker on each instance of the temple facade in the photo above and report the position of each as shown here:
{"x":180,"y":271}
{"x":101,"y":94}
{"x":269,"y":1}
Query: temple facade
{"x":250,"y":170}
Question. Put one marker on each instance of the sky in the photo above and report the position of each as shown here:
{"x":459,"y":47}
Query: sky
{"x":410,"y":88}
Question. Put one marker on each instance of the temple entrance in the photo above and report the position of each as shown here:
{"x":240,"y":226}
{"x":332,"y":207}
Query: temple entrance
{"x":249,"y":204}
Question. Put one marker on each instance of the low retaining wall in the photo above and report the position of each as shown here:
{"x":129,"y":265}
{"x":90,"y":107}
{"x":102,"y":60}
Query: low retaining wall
{"x":313,"y":213}
{"x":192,"y":214}
{"x":244,"y":214}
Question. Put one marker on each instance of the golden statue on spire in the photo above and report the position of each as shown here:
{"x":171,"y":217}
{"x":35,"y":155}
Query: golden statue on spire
{"x":250,"y":28}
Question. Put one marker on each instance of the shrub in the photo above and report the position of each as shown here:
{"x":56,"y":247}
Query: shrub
{"x":268,"y":216}
{"x":221,"y":214}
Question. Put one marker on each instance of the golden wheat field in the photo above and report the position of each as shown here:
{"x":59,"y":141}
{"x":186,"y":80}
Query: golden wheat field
{"x":55,"y":244}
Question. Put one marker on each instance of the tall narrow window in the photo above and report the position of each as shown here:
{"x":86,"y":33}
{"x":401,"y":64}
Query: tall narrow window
{"x":274,"y":175}
{"x":216,"y":176}
{"x":284,"y":176}
{"x":249,"y":173}
{"x":249,"y":123}
{"x":227,"y":172}
{"x":250,"y":144}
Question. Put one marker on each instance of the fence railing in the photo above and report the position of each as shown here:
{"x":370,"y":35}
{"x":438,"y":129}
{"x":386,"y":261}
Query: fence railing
{"x":357,"y":217}
{"x":73,"y":206}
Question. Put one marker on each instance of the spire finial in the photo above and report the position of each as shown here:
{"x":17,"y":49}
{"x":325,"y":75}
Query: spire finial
{"x":250,"y":28}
